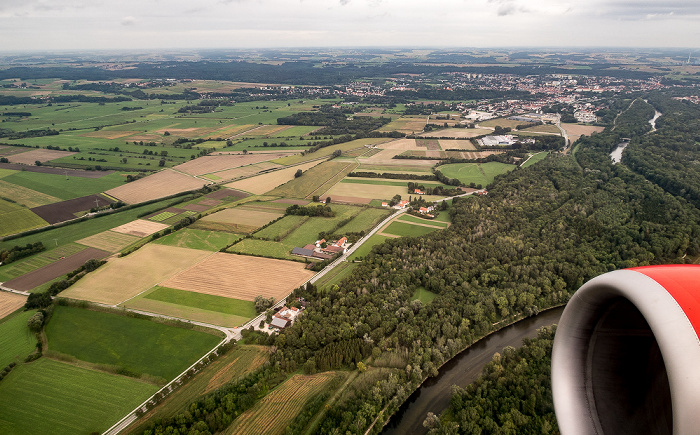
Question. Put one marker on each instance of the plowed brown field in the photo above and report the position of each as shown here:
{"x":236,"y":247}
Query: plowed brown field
{"x":241,"y":277}
{"x":30,"y":157}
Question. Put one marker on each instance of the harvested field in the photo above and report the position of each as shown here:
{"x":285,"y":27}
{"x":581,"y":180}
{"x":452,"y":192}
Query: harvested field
{"x":406,"y":125}
{"x":140,"y":228}
{"x":454,"y":144}
{"x":107,"y":134}
{"x":109,"y":241}
{"x":197,"y":207}
{"x":30,"y":157}
{"x":243,"y":171}
{"x":315,"y":181}
{"x":234,"y":130}
{"x":241,"y":277}
{"x":222,"y":227}
{"x":126,"y":277}
{"x":245,"y":217}
{"x":54,"y":270}
{"x":575,"y":131}
{"x":10,"y":302}
{"x":371,"y":191}
{"x":430,"y":144}
{"x":266,"y":182}
{"x":27,"y":197}
{"x":57,"y":171}
{"x":158,"y":185}
{"x":66,"y":210}
{"x":197,"y":239}
{"x":268,"y":130}
{"x":347,"y":199}
{"x":274,"y":412}
{"x":210,"y":202}
{"x":457,"y":132}
{"x":400,"y":144}
{"x":224,"y":194}
{"x":215,"y":163}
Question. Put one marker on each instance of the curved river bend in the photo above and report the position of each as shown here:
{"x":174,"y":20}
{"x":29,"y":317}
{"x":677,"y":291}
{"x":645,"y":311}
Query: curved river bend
{"x":434,"y":395}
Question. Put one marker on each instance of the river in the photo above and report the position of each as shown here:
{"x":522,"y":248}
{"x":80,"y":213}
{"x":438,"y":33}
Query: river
{"x":434,"y":395}
{"x":616,"y":155}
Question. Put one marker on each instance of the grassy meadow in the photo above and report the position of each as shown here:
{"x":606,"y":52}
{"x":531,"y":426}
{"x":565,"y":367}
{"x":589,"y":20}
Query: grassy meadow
{"x":16,"y":340}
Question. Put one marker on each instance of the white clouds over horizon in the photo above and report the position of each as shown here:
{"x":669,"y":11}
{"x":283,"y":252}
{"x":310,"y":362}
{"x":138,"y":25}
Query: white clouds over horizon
{"x":130,"y":24}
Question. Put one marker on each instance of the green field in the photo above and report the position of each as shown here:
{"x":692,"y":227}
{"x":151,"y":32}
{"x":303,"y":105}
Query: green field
{"x":314,"y":180}
{"x":414,"y":219}
{"x":26,"y":265}
{"x":366,"y":220}
{"x":327,"y":151}
{"x":403,"y":229}
{"x":367,"y":246}
{"x":139,"y":345}
{"x":70,"y":233}
{"x":263,"y":248}
{"x":336,"y":275}
{"x":535,"y":158}
{"x":162,"y":216}
{"x":51,"y":397}
{"x":477,"y":173}
{"x":15,"y":218}
{"x":199,"y":239}
{"x":68,"y":187}
{"x":16,"y":340}
{"x":240,"y":360}
{"x":280,"y":229}
{"x":423,"y":295}
{"x":203,"y":301}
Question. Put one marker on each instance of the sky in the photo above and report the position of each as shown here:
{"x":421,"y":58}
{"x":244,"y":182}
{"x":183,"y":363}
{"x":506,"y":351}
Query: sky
{"x":161,"y":24}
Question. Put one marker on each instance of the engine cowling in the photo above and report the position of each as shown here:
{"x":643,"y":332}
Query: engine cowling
{"x":626,"y":356}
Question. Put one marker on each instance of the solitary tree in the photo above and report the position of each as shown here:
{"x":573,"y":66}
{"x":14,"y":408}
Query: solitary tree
{"x":298,"y":173}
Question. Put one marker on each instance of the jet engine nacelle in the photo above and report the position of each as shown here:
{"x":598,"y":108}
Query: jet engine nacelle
{"x":626,"y":357}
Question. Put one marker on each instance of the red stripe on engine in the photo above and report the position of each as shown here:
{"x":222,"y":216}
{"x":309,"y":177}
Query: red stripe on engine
{"x":682,"y":282}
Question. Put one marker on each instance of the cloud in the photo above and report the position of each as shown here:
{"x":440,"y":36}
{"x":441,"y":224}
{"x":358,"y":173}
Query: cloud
{"x":344,"y":2}
{"x":507,"y":7}
{"x":128,"y":21}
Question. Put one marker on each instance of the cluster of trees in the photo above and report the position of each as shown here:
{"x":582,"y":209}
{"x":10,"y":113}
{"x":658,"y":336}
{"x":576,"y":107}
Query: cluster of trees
{"x":512,"y":395}
{"x":262,"y":303}
{"x":13,"y":135}
{"x":311,"y":210}
{"x":17,"y":252}
{"x":336,"y":121}
{"x":437,"y":190}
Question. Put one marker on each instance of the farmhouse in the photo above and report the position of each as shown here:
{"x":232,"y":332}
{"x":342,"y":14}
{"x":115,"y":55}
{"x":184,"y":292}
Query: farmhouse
{"x":280,"y":323}
{"x":402,"y":204}
{"x":418,"y":192}
{"x":284,"y":317}
{"x":425,"y":210}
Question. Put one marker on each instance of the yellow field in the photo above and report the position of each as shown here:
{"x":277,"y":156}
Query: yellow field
{"x":123,"y":278}
{"x":277,"y":410}
{"x":109,"y":241}
{"x":406,"y":125}
{"x":457,"y":132}
{"x":29,"y":157}
{"x":214,"y":163}
{"x":158,"y":185}
{"x":10,"y":302}
{"x":140,"y":228}
{"x":241,"y":277}
{"x":373,"y":191}
{"x":234,"y":130}
{"x":267,"y":130}
{"x":251,"y":218}
{"x":266,"y":182}
{"x":453,"y":144}
{"x":27,"y":197}
{"x":243,"y":171}
{"x":575,"y":131}
{"x":548,"y":128}
{"x":107,"y":134}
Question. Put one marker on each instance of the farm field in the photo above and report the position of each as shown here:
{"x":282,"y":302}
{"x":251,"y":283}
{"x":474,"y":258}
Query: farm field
{"x":215,"y":163}
{"x":158,"y":185}
{"x":70,"y":233}
{"x":274,"y":412}
{"x":503,"y":122}
{"x":456,"y":133}
{"x":281,"y":229}
{"x":404,"y":229}
{"x":217,"y":310}
{"x":266,"y":182}
{"x":575,"y":131}
{"x":373,"y":191}
{"x":477,"y":173}
{"x":123,"y":278}
{"x":398,"y":168}
{"x":417,"y":220}
{"x":547,"y":128}
{"x":454,"y":144}
{"x":16,"y":340}
{"x":14,"y":219}
{"x":43,"y":156}
{"x":34,"y":396}
{"x":198,"y":239}
{"x":243,"y":171}
{"x":54,"y":270}
{"x":26,"y":197}
{"x":71,"y":208}
{"x":406,"y":125}
{"x":338,"y":273}
{"x":264,"y":248}
{"x":141,"y":346}
{"x":26,"y":265}
{"x":237,"y":362}
{"x":315,"y":181}
{"x":365,"y":220}
{"x":9,"y":303}
{"x":327,"y":151}
{"x":239,"y":219}
{"x":139,"y":228}
{"x":239,"y":277}
{"x":110,"y":241}
{"x":367,"y":246}
{"x":66,"y":185}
